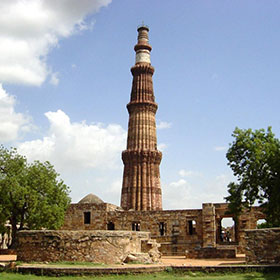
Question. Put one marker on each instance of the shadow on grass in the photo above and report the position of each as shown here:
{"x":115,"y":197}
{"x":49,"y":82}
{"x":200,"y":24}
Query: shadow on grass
{"x":263,"y":276}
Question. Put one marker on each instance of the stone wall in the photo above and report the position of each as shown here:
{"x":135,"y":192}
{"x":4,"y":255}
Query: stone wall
{"x":209,"y":253}
{"x":263,"y":246}
{"x":247,"y":220}
{"x":176,"y":230}
{"x":171,"y":228}
{"x":209,"y":225}
{"x":92,"y":246}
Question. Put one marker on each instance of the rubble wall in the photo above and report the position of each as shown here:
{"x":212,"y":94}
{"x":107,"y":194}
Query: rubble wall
{"x":170,"y":228}
{"x":175,"y":236}
{"x":263,"y":246}
{"x":92,"y":246}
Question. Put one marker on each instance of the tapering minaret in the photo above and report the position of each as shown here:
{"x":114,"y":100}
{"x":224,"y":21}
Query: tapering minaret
{"x":141,"y":178}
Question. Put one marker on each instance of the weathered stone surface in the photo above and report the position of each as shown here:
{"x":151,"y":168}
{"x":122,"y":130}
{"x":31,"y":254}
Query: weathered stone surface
{"x":138,"y":258}
{"x":263,"y":246}
{"x":7,"y":252}
{"x":151,"y":247}
{"x":91,"y":198}
{"x":92,"y":246}
{"x":210,"y":253}
{"x":170,"y":228}
{"x":209,"y":225}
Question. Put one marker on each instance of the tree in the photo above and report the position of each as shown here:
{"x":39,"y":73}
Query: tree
{"x":31,"y":194}
{"x":254,"y":157}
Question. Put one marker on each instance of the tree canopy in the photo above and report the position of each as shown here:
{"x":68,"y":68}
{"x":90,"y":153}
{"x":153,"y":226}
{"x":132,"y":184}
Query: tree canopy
{"x":31,"y":194}
{"x":254,"y":157}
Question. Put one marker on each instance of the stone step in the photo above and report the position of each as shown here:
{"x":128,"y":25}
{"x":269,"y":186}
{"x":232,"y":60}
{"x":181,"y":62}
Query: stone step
{"x":8,"y":258}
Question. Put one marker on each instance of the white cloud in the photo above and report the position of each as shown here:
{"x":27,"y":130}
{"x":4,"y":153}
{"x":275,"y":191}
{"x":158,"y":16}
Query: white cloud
{"x":12,"y":123}
{"x":30,"y":29}
{"x":220,"y":148}
{"x":115,"y":187}
{"x":175,"y":193}
{"x":179,"y":183}
{"x":113,"y":192}
{"x":162,"y":147}
{"x":54,"y":79}
{"x":74,"y":146}
{"x":88,"y":156}
{"x":189,"y":173}
{"x":163,"y":125}
{"x":183,"y":194}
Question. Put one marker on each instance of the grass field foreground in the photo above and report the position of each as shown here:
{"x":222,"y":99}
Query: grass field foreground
{"x":161,"y":276}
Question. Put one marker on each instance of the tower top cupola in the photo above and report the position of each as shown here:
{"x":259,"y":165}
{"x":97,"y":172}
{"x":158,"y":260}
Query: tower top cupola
{"x":143,"y":48}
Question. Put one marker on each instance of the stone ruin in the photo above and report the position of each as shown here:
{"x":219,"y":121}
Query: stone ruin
{"x":97,"y":246}
{"x":263,"y":246}
{"x":195,"y":233}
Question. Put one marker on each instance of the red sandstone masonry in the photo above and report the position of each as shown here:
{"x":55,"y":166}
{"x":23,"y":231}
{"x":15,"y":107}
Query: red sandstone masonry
{"x":141,"y":188}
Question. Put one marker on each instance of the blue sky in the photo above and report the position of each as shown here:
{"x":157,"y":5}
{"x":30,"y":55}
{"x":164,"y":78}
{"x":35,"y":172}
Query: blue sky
{"x":65,"y":75}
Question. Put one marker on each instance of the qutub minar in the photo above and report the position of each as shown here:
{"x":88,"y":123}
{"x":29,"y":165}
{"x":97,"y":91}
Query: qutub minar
{"x":100,"y":232}
{"x":196,"y":233}
{"x":141,"y":177}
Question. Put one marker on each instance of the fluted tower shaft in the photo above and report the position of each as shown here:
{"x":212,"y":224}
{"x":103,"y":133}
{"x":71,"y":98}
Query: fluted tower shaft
{"x":141,"y":178}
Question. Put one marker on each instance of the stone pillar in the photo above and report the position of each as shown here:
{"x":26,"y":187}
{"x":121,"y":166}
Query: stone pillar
{"x":208,"y":225}
{"x":141,"y":188}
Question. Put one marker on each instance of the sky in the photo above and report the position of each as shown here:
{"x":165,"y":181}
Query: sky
{"x":65,"y":81}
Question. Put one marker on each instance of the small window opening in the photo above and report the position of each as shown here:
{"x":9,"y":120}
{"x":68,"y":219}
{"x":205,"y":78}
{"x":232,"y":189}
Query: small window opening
{"x":86,"y":218}
{"x":162,"y":228}
{"x":261,"y":223}
{"x":192,"y":227}
{"x":111,"y":226}
{"x":136,"y":226}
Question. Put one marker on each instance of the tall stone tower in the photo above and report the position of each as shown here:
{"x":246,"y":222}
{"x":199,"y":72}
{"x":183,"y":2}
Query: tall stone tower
{"x":141,"y":178}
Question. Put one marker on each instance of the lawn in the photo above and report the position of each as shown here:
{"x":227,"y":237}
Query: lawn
{"x":161,"y":276}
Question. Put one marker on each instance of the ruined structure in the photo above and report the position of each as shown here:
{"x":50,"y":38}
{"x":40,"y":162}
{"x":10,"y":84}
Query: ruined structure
{"x":92,"y":246}
{"x":195,"y":233}
{"x":263,"y":246}
{"x":141,"y":178}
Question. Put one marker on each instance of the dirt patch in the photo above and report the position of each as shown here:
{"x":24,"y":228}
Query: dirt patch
{"x":182,"y":261}
{"x":173,"y":260}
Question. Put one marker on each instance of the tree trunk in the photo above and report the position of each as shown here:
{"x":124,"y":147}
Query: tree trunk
{"x":14,"y":235}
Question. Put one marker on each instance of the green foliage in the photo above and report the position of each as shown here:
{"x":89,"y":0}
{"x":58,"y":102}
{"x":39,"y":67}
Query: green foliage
{"x":31,"y":194}
{"x":263,"y":225}
{"x":254,"y":157}
{"x":161,"y":276}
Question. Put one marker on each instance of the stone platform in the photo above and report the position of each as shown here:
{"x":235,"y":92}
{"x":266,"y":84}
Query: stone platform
{"x":128,"y":269}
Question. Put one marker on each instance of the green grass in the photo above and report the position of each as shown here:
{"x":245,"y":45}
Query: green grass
{"x":65,"y":263}
{"x":160,"y":276}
